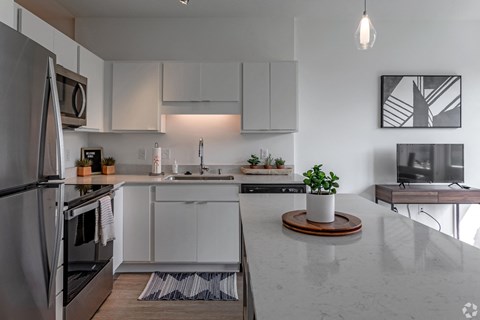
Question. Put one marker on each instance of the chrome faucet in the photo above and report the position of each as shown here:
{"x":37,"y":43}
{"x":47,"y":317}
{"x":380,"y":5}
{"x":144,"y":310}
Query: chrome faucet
{"x":200,"y":154}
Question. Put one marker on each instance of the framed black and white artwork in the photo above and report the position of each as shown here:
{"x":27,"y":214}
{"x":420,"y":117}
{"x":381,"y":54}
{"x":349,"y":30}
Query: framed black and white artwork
{"x":421,"y":101}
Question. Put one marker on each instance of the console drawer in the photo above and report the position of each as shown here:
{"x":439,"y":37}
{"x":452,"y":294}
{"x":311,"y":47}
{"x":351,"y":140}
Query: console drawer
{"x":415,"y":197}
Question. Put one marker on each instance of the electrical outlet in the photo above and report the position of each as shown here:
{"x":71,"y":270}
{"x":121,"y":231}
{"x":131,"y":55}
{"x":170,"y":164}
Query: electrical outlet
{"x":142,"y":154}
{"x":263,"y":153}
{"x":165,"y":153}
{"x":67,"y":155}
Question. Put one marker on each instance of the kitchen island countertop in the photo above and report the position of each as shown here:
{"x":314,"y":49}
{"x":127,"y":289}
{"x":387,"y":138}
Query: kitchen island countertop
{"x":395,"y":268}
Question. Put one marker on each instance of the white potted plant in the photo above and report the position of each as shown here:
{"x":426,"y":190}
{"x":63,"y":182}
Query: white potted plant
{"x":321,"y":204}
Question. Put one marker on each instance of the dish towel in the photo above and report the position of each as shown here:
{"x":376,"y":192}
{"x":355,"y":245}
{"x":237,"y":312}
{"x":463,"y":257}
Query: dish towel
{"x":104,"y":227}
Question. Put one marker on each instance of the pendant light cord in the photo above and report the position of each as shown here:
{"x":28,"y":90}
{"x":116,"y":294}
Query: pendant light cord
{"x":365,"y":7}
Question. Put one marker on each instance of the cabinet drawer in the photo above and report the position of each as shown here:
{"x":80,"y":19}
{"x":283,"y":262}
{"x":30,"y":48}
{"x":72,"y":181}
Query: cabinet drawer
{"x":196,"y":192}
{"x":415,"y":197}
{"x":463,"y":196}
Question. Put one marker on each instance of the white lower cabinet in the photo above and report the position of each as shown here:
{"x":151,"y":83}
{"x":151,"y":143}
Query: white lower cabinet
{"x":136,"y":220}
{"x":218,"y":232}
{"x":175,"y":232}
{"x":118,"y":223}
{"x":59,"y":306}
{"x":197,"y":231}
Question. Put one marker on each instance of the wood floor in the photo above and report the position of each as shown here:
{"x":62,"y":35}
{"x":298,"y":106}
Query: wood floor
{"x":122,"y":304}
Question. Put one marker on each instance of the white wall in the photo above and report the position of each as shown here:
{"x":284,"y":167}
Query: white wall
{"x":7,"y":12}
{"x":73,"y":141}
{"x":234,"y":39}
{"x":223,"y":143}
{"x":339,"y":93}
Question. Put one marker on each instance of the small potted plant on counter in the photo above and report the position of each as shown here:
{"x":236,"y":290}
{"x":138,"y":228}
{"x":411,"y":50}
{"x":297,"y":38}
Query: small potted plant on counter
{"x":321,"y":204}
{"x":268,"y":162}
{"x":84,"y":167}
{"x":108,"y":165}
{"x":280,"y":163}
{"x":254,"y":161}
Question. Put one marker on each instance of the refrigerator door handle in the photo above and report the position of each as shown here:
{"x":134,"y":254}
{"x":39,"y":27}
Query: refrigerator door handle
{"x":58,"y":240}
{"x":58,"y":118}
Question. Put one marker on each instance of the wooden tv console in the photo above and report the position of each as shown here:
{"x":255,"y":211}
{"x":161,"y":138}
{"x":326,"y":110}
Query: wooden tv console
{"x":428,"y":194}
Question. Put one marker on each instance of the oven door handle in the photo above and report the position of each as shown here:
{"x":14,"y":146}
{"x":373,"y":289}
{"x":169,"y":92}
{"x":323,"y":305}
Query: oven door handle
{"x":78,"y":211}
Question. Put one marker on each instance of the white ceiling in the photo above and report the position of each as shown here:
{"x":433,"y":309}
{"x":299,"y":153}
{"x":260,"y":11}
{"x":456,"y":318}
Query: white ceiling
{"x":326,"y":9}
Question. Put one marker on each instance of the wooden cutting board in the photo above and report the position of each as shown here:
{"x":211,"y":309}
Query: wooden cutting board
{"x":344,"y":224}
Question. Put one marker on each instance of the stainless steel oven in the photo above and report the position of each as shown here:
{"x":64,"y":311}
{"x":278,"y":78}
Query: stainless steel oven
{"x":72,"y":94}
{"x":88,"y":276}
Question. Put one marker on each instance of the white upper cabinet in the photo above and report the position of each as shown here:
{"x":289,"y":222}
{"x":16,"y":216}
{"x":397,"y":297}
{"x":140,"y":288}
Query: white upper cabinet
{"x":270,"y":97}
{"x":181,"y":81}
{"x":35,"y":28}
{"x":256,"y":96}
{"x":92,"y":67}
{"x":283,"y":96}
{"x":66,"y":50}
{"x":7,"y":13}
{"x":201,"y":82}
{"x":136,"y":97}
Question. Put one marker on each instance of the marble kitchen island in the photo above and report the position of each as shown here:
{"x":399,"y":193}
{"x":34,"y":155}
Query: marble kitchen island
{"x":394,"y":268}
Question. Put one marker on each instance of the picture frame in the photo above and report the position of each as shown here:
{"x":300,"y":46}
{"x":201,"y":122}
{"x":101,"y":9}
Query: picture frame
{"x":95,"y":155}
{"x":421,"y":101}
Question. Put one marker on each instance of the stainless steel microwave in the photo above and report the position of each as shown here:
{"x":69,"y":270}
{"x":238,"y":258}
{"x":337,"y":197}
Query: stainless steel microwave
{"x":72,"y":94}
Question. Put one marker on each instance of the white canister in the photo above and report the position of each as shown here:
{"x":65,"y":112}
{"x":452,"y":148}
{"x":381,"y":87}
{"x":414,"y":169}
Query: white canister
{"x":321,"y":207}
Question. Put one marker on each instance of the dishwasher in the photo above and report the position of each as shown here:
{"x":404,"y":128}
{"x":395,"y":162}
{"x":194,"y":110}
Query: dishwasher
{"x":273,"y":188}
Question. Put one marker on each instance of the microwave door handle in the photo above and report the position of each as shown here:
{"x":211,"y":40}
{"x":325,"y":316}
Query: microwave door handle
{"x":58,"y":118}
{"x":84,"y":100}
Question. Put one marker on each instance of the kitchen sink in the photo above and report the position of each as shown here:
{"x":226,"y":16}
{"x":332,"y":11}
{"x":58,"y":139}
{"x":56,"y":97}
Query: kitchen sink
{"x":196,"y":178}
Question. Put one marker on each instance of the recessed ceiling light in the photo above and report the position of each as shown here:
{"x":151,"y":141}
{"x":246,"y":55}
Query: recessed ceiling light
{"x":185,"y":2}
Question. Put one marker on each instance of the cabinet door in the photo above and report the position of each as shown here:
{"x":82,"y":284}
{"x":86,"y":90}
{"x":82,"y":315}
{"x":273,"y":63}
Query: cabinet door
{"x":118,"y":223}
{"x":220,"y":81}
{"x":283,"y":95}
{"x":256,"y":96}
{"x":218,"y":232}
{"x":181,"y":81}
{"x":66,"y":50}
{"x":36,"y":29}
{"x":136,"y":223}
{"x":175,"y":232}
{"x":136,"y":96}
{"x":92,"y":67}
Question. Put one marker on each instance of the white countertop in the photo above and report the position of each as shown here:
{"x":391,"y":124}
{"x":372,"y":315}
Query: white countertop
{"x":394,"y":269}
{"x":146,"y":179}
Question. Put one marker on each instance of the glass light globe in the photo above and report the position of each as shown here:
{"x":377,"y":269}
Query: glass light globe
{"x":366,"y":34}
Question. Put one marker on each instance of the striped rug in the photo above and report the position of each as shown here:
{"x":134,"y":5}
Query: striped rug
{"x":219,"y":286}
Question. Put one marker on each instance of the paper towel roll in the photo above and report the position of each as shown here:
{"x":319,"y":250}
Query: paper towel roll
{"x":156,"y":160}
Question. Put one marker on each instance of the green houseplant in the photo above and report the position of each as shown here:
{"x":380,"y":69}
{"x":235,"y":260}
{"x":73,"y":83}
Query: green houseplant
{"x":84,"y":167}
{"x":267,"y":164}
{"x":108,"y":165}
{"x":321,"y":198}
{"x":279,"y":163}
{"x":254,"y":161}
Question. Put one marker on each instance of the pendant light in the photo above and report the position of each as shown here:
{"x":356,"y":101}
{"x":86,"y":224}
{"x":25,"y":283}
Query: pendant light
{"x":365,"y":34}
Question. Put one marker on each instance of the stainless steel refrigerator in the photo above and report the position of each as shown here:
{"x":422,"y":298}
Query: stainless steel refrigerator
{"x":31,"y":157}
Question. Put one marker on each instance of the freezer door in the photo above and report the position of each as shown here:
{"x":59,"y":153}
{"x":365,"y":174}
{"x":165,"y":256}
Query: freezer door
{"x":29,"y":244}
{"x":24,"y":93}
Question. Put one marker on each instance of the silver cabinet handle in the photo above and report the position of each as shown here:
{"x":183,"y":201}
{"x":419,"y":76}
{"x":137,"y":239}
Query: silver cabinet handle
{"x":202,"y":202}
{"x":189,"y":202}
{"x":58,"y":118}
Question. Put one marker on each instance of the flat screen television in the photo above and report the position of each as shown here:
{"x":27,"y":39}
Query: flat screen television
{"x":430,"y":163}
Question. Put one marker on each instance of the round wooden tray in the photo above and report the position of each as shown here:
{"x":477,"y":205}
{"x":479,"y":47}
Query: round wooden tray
{"x":344,"y":224}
